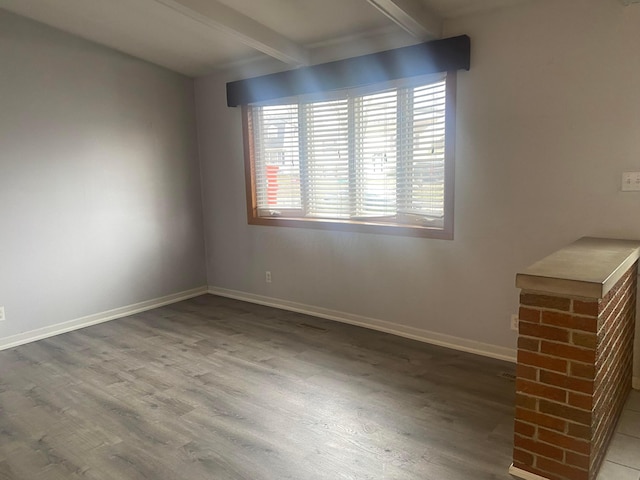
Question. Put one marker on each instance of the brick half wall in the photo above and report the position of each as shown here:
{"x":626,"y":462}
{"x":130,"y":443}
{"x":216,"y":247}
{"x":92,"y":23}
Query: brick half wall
{"x":573,"y":375}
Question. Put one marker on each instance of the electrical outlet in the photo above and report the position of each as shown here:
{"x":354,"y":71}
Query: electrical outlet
{"x":631,"y":181}
{"x":514,"y":322}
{"x":267,"y":276}
{"x":2,"y":318}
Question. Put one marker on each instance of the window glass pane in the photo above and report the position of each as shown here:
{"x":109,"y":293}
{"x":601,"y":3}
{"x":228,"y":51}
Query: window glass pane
{"x":277,"y":157}
{"x":422,"y":179}
{"x":376,"y":120}
{"x":327,"y":155}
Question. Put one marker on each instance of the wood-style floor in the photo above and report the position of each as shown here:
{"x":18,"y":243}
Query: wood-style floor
{"x":213,"y":388}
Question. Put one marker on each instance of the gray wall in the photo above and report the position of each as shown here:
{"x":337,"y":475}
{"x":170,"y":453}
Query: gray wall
{"x":548,"y":119}
{"x":100,"y":200}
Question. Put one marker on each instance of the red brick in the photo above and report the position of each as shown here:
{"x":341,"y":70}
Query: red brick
{"x":543,"y":331}
{"x":542,"y":361}
{"x":569,"y":383}
{"x":588,"y":340}
{"x":580,"y":401}
{"x":524,"y":371}
{"x":566,"y":412}
{"x":582,"y":370}
{"x":531,"y":344}
{"x":545,"y":301}
{"x":522,"y":456}
{"x":586,"y":308}
{"x":560,"y":440}
{"x":541,"y":419}
{"x":568,"y":351}
{"x":577,"y":460}
{"x":579,"y":431}
{"x":527,"y":468}
{"x":529,"y":314}
{"x":594,"y":391}
{"x":525,"y":401}
{"x":562,"y":470}
{"x":537,"y":471}
{"x":567,"y":320}
{"x":524,"y":429}
{"x":533,"y":446}
{"x":543,"y":391}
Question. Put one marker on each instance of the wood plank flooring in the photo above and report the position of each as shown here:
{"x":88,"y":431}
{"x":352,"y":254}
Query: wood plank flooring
{"x":213,"y":388}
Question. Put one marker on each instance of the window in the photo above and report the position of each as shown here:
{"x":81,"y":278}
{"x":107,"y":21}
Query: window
{"x":376,"y":159}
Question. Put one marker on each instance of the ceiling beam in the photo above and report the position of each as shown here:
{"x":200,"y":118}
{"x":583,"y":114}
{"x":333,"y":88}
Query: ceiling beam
{"x":412,"y":16}
{"x":222,"y":18}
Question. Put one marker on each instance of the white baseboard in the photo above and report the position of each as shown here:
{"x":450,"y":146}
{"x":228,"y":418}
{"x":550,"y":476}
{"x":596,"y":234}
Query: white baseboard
{"x":518,"y":472}
{"x":40,"y":333}
{"x":426,"y":336}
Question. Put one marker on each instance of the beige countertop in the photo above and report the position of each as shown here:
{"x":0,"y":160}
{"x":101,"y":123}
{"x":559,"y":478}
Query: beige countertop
{"x":589,"y":267}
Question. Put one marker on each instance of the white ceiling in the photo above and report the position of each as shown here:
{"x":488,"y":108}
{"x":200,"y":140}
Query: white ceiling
{"x":196,"y":37}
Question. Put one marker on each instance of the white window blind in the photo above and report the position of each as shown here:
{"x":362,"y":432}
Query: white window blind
{"x":277,"y":153}
{"x":376,"y":156}
{"x":376,"y":122}
{"x":326,"y":141}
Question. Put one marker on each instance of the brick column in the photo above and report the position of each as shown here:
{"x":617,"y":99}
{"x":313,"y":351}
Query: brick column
{"x":573,"y":376}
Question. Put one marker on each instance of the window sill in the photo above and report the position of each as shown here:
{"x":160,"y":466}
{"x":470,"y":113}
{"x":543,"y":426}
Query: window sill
{"x":445,"y":233}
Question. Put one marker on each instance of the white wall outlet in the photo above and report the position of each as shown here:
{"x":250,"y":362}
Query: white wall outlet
{"x":514,"y":322}
{"x":267,"y":276}
{"x":631,"y":182}
{"x":2,"y":317}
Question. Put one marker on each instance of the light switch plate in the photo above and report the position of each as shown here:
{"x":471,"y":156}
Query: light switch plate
{"x":1,"y":314}
{"x":631,"y":182}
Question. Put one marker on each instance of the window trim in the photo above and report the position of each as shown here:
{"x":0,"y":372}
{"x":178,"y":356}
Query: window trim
{"x":350,"y":225}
